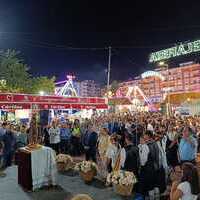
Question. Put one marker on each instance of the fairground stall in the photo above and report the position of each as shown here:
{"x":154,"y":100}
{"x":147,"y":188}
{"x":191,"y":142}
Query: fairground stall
{"x":20,"y":106}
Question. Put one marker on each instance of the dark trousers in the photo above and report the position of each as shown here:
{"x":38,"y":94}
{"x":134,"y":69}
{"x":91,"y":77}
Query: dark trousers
{"x":64,"y":146}
{"x":90,"y":154}
{"x":76,"y":146}
{"x":8,"y":156}
{"x":55,"y":147}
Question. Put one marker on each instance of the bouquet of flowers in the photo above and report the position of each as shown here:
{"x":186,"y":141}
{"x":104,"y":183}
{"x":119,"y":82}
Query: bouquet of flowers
{"x":87,"y":170}
{"x":64,"y":162}
{"x":123,"y":182}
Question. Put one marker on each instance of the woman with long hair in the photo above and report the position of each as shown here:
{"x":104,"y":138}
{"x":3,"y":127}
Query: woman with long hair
{"x":103,"y":143}
{"x":188,"y":188}
{"x":115,"y":154}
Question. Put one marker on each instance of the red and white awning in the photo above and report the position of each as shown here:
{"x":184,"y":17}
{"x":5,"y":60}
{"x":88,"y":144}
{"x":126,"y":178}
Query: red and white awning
{"x":25,"y":101}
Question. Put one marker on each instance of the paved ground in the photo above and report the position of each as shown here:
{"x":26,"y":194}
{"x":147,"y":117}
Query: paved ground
{"x":69,"y":185}
{"x":9,"y":188}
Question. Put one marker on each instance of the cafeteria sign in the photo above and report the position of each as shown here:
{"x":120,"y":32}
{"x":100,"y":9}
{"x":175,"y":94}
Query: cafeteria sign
{"x":178,"y":50}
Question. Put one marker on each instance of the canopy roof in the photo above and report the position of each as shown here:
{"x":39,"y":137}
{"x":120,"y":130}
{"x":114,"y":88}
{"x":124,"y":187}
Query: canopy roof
{"x":26,"y":101}
{"x":182,"y":97}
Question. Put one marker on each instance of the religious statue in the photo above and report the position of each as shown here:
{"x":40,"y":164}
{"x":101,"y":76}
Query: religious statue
{"x":33,"y":133}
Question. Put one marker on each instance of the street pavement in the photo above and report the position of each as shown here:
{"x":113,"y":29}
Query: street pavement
{"x":71,"y":185}
{"x":9,"y":188}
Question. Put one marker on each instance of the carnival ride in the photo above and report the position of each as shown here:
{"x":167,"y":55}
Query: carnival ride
{"x":135,"y":90}
{"x":68,"y":90}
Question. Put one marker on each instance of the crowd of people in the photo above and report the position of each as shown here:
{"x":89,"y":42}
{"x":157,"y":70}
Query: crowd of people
{"x":159,"y":150}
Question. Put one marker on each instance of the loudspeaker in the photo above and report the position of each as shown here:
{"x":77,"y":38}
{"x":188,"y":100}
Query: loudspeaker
{"x":44,"y":117}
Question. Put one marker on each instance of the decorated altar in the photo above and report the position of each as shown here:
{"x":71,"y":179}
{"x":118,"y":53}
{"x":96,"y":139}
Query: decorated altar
{"x":36,"y":168}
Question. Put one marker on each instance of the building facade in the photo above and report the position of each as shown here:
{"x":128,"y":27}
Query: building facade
{"x":86,"y":88}
{"x":156,"y":84}
{"x":89,"y":88}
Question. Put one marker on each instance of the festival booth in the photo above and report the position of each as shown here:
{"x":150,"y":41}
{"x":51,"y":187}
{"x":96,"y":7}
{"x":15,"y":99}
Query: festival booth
{"x":23,"y":104}
{"x":185,"y":103}
{"x":36,"y":163}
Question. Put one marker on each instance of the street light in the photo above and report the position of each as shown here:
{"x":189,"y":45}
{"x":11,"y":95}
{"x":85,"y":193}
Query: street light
{"x":41,"y":93}
{"x":163,"y":64}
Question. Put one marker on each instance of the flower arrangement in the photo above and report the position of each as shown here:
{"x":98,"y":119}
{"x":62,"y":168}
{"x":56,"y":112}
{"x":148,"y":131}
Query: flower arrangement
{"x":87,"y":170}
{"x":122,"y":181}
{"x":124,"y":178}
{"x":86,"y":166}
{"x":64,"y":162}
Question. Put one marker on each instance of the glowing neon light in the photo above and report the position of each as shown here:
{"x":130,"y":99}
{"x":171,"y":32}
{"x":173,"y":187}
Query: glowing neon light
{"x":178,"y":50}
{"x":152,"y":73}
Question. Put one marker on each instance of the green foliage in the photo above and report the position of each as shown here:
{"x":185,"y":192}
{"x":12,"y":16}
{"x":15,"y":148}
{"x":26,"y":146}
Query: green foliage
{"x":13,"y":71}
{"x":44,"y":84}
{"x":15,"y":77}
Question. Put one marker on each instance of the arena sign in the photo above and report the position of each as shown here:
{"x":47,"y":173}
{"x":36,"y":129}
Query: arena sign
{"x":178,"y":50}
{"x":152,"y":73}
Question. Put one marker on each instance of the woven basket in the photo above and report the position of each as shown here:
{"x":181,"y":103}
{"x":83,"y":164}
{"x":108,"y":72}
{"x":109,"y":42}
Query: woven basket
{"x":87,"y":177}
{"x":123,"y":190}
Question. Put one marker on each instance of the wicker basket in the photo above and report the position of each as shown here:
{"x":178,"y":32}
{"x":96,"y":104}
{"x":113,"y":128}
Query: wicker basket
{"x":87,"y":177}
{"x":123,"y":190}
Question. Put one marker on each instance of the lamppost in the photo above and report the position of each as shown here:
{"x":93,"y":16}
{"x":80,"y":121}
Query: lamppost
{"x":163,"y":64}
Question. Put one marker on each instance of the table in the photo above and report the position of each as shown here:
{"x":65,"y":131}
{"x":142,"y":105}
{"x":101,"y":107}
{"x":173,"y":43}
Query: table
{"x":36,"y":168}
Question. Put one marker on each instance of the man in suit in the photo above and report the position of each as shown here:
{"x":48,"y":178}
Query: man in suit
{"x":90,"y":143}
{"x":132,"y":155}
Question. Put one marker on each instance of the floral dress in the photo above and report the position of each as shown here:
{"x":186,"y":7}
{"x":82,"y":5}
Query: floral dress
{"x":104,"y":142}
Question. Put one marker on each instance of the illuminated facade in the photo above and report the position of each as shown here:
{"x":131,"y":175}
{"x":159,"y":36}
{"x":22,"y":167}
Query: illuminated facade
{"x":156,"y":84}
{"x":89,"y":88}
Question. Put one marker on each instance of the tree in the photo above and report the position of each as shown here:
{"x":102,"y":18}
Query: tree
{"x":43,"y":83}
{"x":114,"y":86}
{"x":15,"y":77}
{"x":14,"y":72}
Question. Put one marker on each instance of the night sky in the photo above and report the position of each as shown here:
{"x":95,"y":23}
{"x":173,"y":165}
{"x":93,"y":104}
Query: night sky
{"x":61,"y":37}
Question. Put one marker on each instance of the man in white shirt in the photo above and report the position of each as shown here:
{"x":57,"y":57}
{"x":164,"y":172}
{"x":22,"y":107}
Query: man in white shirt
{"x":54,"y":134}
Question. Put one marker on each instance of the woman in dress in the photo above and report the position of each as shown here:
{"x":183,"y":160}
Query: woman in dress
{"x":103,"y":143}
{"x":188,"y":187}
{"x":115,"y":155}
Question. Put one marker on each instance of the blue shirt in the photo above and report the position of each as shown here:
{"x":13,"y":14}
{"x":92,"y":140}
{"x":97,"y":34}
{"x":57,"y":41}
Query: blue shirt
{"x":65,"y":133}
{"x":86,"y":139}
{"x":9,"y":141}
{"x":187,"y":150}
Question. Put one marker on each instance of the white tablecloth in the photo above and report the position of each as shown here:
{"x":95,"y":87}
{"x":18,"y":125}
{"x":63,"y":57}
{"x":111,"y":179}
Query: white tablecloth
{"x":44,"y":170}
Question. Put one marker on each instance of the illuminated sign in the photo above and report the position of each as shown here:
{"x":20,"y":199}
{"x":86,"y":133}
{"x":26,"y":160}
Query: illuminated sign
{"x":178,"y":50}
{"x":152,"y":73}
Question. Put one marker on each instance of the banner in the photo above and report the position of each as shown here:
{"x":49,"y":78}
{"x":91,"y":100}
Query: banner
{"x":18,"y":101}
{"x":57,"y":99}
